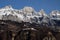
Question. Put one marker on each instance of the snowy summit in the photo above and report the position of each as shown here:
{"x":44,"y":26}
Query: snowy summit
{"x":27,"y":14}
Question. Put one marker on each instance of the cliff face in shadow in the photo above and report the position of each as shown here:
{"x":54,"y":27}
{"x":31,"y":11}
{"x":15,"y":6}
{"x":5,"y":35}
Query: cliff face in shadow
{"x":10,"y":30}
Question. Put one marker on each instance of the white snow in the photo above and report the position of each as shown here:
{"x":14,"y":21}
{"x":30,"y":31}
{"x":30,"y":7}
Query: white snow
{"x":27,"y":14}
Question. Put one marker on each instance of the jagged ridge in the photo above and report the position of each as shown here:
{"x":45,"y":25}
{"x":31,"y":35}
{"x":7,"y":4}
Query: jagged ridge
{"x":28,"y":14}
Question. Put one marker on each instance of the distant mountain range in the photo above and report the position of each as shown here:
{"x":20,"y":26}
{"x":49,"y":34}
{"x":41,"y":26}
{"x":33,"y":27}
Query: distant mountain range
{"x":28,"y":14}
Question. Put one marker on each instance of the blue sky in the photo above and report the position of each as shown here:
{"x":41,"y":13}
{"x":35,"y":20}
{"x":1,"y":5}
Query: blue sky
{"x":47,"y":5}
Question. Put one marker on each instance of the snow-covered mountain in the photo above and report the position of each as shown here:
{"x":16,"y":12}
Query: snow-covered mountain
{"x":27,"y":14}
{"x":55,"y":15}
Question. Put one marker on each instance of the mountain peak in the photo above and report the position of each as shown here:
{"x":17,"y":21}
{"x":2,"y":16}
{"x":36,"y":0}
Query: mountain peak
{"x":42,"y":12}
{"x":8,"y":7}
{"x":28,"y":9}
